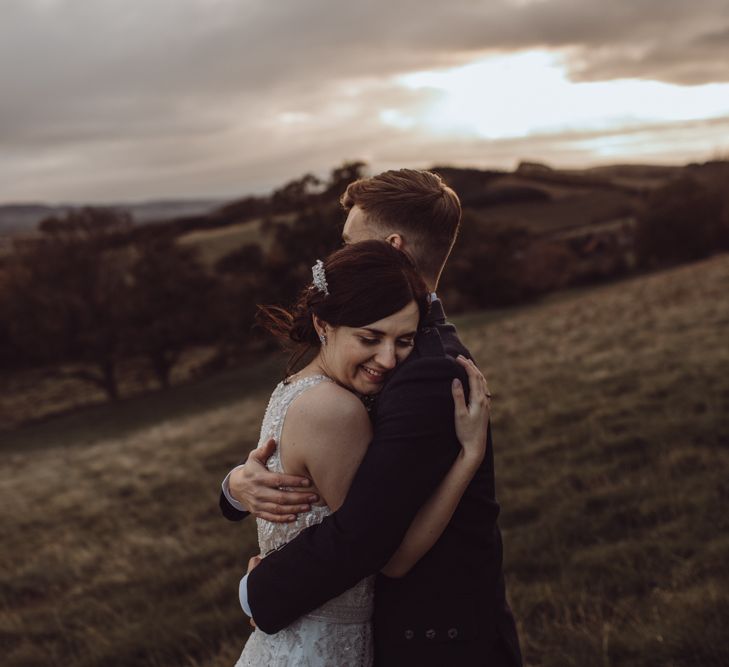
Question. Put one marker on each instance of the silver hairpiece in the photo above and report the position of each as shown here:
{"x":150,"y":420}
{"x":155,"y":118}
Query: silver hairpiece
{"x":320,"y":277}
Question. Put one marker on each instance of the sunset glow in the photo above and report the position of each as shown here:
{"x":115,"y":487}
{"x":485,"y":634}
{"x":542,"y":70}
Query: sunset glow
{"x":530,"y":93}
{"x":113,"y":101}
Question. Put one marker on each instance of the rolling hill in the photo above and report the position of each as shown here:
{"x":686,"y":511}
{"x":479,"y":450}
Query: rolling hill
{"x":611,"y":426}
{"x":24,"y":218}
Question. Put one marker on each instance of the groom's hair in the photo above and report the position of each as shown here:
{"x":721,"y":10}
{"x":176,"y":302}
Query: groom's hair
{"x":416,"y":204}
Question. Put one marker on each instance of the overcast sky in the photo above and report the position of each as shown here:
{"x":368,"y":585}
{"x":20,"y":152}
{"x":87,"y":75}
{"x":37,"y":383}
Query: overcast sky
{"x":113,"y":100}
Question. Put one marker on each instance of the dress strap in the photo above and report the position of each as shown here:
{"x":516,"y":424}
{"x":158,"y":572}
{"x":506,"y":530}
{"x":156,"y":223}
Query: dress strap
{"x":282,"y":398}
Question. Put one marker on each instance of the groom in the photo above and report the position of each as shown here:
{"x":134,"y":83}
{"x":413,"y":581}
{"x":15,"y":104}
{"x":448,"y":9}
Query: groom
{"x":450,"y":609}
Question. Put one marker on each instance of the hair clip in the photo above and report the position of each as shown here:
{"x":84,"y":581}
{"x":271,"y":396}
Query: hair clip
{"x":320,"y":277}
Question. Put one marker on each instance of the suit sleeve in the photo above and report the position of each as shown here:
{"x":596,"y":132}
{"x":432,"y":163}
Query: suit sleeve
{"x":230,"y":512}
{"x":413,"y":447}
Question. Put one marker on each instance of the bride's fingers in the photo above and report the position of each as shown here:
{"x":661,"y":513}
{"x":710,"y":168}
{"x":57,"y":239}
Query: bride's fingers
{"x":483,"y":385}
{"x":459,"y":399}
{"x":477,"y":395}
{"x":485,"y":388}
{"x":477,"y":372}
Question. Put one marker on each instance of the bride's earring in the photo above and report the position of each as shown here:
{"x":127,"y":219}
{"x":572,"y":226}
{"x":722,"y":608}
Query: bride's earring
{"x":323,"y":338}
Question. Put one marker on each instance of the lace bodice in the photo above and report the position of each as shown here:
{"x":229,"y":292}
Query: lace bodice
{"x":340,"y":631}
{"x":355,"y":605}
{"x":273,"y":536}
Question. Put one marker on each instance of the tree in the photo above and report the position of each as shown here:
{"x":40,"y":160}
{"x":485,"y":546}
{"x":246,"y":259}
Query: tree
{"x":69,"y":294}
{"x":341,"y":177}
{"x":296,"y":194}
{"x":240,"y":289}
{"x":485,"y":269}
{"x":315,"y":233}
{"x":682,"y":221}
{"x":10,"y":356}
{"x":169,"y":304}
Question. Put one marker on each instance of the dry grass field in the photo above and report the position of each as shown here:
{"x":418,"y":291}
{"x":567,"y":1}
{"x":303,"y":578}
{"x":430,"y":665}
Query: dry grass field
{"x":214,"y":244}
{"x":41,"y":393}
{"x":567,"y":211}
{"x":611,"y":427}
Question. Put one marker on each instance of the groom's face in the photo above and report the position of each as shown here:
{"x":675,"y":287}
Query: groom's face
{"x":358,"y":228}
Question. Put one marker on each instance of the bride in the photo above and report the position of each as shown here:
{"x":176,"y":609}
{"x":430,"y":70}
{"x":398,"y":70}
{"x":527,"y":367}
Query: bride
{"x":360,"y":316}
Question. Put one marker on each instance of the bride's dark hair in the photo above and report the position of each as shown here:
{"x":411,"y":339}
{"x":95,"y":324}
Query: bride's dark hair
{"x":366,"y":281}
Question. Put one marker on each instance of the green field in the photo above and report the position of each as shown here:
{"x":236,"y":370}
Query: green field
{"x":611,"y":429}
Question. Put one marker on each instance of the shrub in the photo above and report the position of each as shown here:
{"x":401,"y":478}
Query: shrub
{"x":684,"y":220}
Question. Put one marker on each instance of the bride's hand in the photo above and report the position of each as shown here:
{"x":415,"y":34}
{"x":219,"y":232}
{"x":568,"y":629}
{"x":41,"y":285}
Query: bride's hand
{"x":472,"y":419}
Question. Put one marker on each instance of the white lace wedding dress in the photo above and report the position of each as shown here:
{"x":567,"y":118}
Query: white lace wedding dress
{"x":340,"y":631}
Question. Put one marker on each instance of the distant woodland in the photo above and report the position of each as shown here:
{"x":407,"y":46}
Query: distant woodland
{"x":90,"y":292}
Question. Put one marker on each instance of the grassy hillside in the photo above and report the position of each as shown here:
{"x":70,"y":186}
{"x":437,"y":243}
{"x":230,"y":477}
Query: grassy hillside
{"x":611,"y":425}
{"x":612,"y":428}
{"x":218,"y":242}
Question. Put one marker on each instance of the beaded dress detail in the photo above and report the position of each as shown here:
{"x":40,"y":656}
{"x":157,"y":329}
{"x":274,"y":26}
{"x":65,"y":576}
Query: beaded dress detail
{"x":340,"y":631}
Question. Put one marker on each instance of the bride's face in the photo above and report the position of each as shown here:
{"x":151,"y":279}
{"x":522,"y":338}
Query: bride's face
{"x":361,"y":358}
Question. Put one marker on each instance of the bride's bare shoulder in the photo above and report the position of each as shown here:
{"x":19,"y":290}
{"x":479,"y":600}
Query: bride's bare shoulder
{"x":326,"y":433}
{"x":328,"y":404}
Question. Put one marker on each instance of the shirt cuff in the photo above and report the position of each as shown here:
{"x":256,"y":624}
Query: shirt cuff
{"x":228,"y":496}
{"x":243,"y":596}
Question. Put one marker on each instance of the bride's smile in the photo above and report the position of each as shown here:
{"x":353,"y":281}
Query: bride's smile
{"x":361,"y":358}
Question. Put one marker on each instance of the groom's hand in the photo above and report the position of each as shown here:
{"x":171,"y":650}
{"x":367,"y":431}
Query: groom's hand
{"x":269,"y":495}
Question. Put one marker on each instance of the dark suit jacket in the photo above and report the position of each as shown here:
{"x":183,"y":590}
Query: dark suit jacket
{"x":451,"y":607}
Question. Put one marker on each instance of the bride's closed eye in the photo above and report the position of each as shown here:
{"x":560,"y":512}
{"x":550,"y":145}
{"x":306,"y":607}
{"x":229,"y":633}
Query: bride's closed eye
{"x":401,"y":342}
{"x":369,"y":341}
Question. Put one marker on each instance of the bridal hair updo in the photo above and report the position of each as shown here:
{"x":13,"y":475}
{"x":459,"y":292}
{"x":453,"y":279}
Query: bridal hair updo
{"x":366,"y":282}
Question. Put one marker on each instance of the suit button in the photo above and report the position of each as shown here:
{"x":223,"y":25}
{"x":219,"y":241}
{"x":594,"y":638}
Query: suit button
{"x":430,"y":634}
{"x":452,"y":633}
{"x":409,"y":634}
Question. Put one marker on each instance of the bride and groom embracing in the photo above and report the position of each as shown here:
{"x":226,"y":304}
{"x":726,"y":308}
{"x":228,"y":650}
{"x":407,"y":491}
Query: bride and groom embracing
{"x":389,"y":553}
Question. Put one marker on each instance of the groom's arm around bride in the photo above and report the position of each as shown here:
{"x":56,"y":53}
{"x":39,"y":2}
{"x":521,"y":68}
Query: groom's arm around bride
{"x":450,"y":608}
{"x":455,"y":594}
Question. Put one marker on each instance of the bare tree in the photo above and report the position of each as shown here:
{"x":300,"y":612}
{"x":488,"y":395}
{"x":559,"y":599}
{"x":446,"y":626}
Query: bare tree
{"x":68,"y":293}
{"x":170,"y":305}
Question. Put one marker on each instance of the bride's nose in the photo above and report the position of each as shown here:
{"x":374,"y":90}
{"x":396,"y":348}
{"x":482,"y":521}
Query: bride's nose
{"x":386,"y":357}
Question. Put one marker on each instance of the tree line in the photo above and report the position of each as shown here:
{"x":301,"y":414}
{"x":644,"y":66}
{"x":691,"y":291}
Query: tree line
{"x":91,"y":290}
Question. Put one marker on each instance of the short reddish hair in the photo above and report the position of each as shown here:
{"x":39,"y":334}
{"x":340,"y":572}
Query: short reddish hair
{"x":416,"y":204}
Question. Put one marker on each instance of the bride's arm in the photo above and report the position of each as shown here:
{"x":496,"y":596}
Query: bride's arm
{"x":312,"y":442}
{"x":433,"y":517}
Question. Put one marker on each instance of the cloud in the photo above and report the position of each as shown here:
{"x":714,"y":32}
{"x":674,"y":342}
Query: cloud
{"x":110,"y":97}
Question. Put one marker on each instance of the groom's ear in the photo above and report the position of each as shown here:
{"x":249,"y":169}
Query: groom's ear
{"x":396,"y":241}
